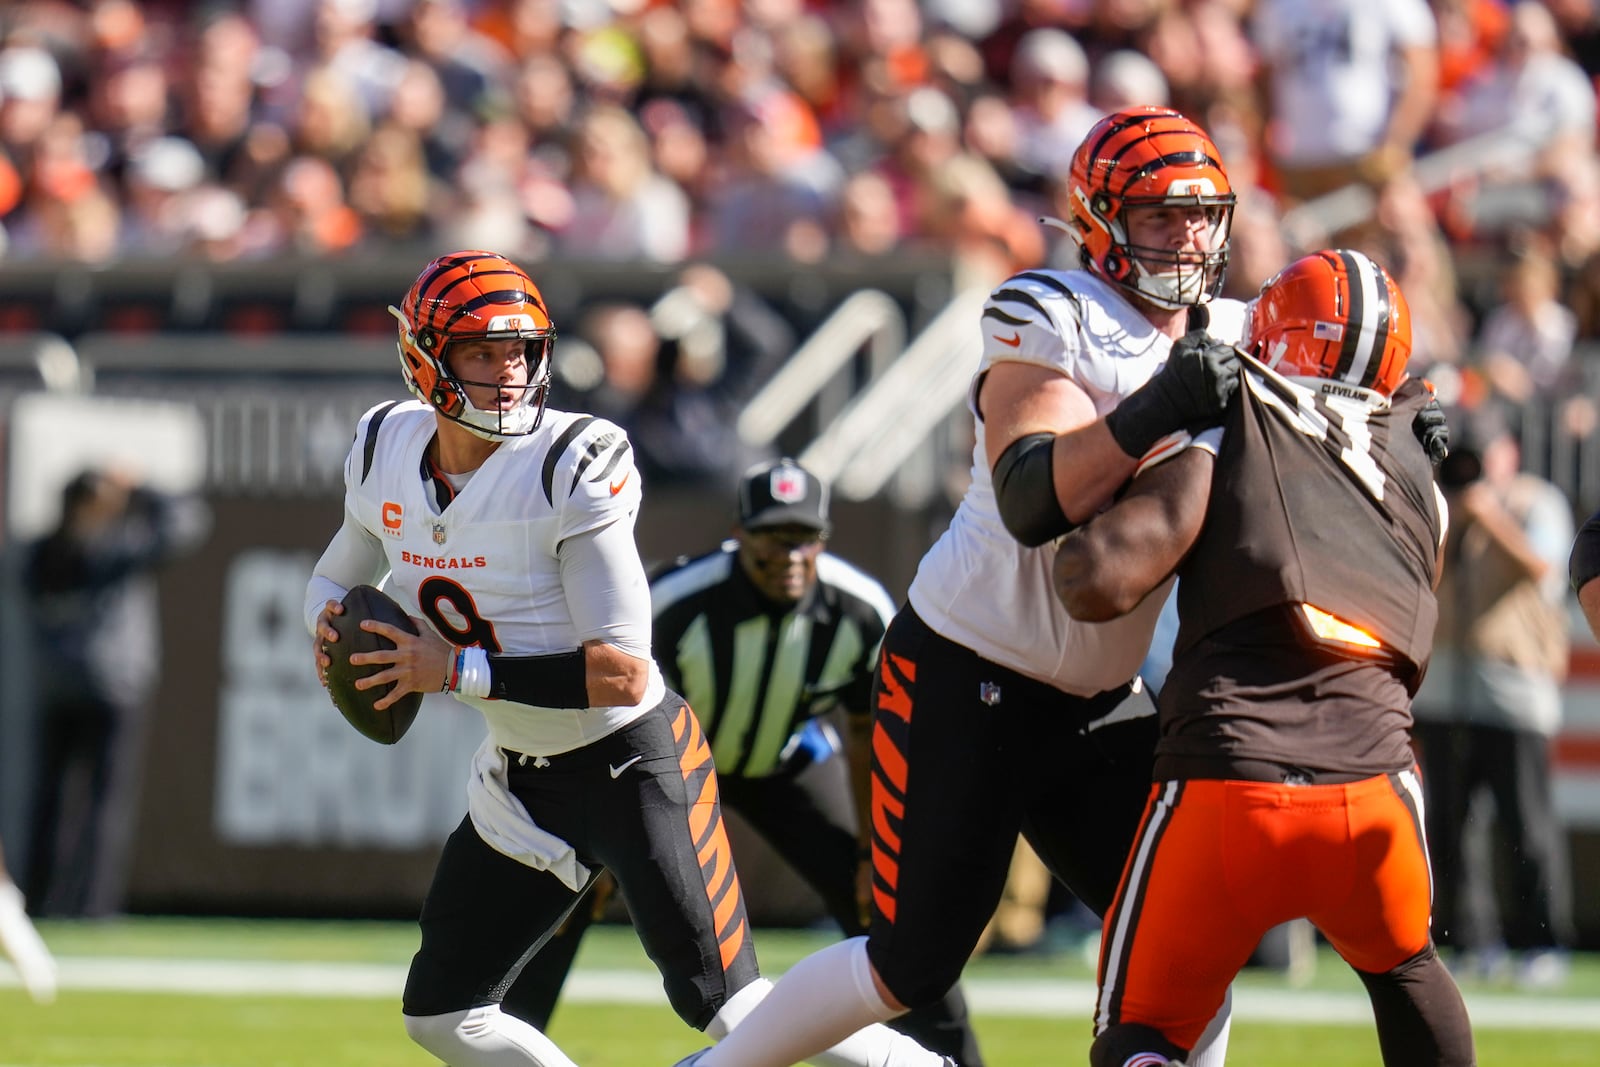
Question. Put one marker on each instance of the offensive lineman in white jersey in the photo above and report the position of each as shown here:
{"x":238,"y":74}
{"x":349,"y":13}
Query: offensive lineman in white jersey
{"x":507,"y":529}
{"x":995,"y":711}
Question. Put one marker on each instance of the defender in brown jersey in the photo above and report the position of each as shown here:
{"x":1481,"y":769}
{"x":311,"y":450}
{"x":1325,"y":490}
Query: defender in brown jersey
{"x":1305,"y":532}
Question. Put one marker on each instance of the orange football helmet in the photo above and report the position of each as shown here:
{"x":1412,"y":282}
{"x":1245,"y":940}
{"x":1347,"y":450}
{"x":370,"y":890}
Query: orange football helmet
{"x":1145,"y":157}
{"x":474,"y":296}
{"x":1333,"y":314}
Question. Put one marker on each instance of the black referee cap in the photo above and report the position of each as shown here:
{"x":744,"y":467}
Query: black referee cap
{"x":782,"y":493}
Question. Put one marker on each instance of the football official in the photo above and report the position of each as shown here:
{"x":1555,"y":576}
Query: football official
{"x":506,"y":528}
{"x":766,"y":636}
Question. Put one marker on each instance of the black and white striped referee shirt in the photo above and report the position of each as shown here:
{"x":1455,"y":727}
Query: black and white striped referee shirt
{"x":755,"y":672}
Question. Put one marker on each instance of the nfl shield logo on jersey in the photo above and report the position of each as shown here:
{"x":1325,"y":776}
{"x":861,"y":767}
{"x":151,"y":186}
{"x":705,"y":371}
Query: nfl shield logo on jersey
{"x":438,"y":533}
{"x":989,"y":693}
{"x":788,"y":484}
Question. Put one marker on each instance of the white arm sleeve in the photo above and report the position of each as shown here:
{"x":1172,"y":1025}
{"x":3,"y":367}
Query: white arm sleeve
{"x":354,"y":556}
{"x":607,"y":594}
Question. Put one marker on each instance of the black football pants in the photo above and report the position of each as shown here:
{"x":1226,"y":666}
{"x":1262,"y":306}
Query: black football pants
{"x":967,"y":753}
{"x":808,"y":818}
{"x":641,"y":803}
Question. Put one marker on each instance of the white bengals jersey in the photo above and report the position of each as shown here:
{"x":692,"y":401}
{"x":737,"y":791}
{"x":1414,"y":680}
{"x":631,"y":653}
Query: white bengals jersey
{"x":978,"y":586}
{"x":484,"y":569}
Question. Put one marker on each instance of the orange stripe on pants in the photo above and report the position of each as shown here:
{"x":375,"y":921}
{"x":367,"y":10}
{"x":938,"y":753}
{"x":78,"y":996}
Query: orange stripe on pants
{"x":716,"y":860}
{"x":890,"y":773}
{"x":710,"y":835}
{"x":696,"y":752}
{"x":892,"y":697}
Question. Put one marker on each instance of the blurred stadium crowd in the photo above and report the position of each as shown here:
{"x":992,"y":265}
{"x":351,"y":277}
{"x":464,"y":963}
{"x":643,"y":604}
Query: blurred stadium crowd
{"x":822,"y":131}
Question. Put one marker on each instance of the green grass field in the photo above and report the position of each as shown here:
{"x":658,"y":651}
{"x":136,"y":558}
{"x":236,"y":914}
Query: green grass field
{"x":128,"y":1000}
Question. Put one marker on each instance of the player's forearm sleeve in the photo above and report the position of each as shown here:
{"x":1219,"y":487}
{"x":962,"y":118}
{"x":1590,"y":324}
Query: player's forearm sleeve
{"x":554,"y":681}
{"x":607,"y":594}
{"x":1583,"y":565}
{"x":353,"y":556}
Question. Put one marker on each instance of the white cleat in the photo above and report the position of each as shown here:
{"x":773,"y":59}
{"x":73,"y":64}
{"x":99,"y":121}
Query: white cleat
{"x":22,"y":943}
{"x":691,"y":1059}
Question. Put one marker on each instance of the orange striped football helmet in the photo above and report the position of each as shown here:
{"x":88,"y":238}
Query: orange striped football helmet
{"x":1334,"y":314}
{"x":1145,"y":157}
{"x":474,"y":296}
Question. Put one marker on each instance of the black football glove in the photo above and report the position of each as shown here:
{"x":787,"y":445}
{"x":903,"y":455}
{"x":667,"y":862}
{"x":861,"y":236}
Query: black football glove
{"x":1190,"y":391}
{"x":1432,"y":429}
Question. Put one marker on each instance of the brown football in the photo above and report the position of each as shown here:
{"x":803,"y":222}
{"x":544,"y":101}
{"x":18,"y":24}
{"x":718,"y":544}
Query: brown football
{"x":387,"y":726}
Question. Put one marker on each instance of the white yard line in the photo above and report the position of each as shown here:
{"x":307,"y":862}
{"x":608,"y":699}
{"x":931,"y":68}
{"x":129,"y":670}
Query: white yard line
{"x":988,"y":996}
{"x":1493,"y":1011}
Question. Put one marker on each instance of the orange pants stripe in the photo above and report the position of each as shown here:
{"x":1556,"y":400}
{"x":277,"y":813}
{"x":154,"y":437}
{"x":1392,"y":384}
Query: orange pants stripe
{"x":711,"y":838}
{"x":896,"y":675}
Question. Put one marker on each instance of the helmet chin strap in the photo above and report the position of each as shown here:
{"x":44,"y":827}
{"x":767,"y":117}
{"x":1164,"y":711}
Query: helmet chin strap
{"x":475,"y":419}
{"x":1178,"y":288}
{"x":1169,"y":289}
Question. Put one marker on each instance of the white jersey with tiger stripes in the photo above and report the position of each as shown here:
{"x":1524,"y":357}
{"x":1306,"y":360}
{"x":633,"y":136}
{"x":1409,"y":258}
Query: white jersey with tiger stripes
{"x":977,"y":585}
{"x":486,"y":570}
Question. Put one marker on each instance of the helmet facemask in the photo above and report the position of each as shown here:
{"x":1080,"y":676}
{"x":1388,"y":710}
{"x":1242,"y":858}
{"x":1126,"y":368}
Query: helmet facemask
{"x":1169,"y":278}
{"x":425,"y":359}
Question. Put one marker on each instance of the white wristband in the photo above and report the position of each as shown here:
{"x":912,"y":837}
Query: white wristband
{"x":474,"y":680}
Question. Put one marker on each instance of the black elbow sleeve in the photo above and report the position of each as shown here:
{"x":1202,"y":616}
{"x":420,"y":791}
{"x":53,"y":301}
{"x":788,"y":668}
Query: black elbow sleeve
{"x":1584,"y":564}
{"x":1025,"y":490}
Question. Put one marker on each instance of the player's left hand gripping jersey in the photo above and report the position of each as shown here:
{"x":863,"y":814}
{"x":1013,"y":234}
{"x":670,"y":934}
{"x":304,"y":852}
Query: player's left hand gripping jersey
{"x":981,"y":588}
{"x":484,"y":568}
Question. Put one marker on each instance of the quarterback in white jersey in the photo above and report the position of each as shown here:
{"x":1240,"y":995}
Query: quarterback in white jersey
{"x":996,"y":713}
{"x":508,"y":530}
{"x":482,"y":566}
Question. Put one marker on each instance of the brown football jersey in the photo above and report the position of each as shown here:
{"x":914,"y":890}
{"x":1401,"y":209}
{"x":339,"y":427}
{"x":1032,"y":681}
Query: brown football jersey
{"x":1316,"y":499}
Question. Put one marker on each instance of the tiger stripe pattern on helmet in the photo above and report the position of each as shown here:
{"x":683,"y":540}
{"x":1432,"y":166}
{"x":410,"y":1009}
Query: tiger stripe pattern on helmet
{"x":431,"y":297}
{"x":1146,"y":140}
